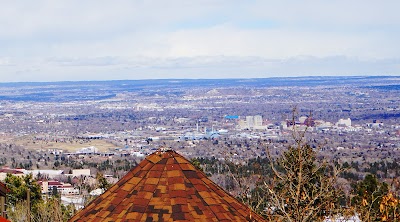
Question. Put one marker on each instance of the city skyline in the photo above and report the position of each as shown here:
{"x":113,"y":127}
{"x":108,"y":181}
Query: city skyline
{"x":74,"y":41}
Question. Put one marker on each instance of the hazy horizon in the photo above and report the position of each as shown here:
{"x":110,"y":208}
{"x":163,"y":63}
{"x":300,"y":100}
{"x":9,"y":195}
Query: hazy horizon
{"x":248,"y":79}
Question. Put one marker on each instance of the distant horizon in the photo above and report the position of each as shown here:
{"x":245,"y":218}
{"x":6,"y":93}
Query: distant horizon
{"x":194,"y":79}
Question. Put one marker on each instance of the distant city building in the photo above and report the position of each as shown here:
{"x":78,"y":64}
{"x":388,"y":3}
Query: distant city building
{"x":88,"y":150}
{"x":223,"y":131}
{"x":242,"y":124}
{"x":250,"y":121}
{"x":181,"y":120}
{"x":302,"y":119}
{"x":137,"y":154}
{"x":231,"y":117}
{"x":375,"y":124}
{"x":15,"y":172}
{"x":63,"y":188}
{"x":258,"y":121}
{"x":309,"y":121}
{"x":344,"y":122}
{"x":290,"y":123}
{"x":80,"y":172}
{"x":203,"y":119}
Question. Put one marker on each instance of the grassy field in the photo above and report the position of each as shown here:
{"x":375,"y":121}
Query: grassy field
{"x":71,"y":146}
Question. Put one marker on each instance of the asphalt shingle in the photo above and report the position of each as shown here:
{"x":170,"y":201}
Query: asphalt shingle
{"x":165,"y":187}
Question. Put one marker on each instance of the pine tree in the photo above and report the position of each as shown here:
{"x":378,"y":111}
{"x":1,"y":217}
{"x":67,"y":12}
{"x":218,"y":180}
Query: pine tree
{"x":303,"y":188}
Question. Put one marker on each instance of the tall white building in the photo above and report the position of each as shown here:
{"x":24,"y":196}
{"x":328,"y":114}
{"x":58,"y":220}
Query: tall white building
{"x":345,"y":122}
{"x":250,"y":121}
{"x":258,"y":120}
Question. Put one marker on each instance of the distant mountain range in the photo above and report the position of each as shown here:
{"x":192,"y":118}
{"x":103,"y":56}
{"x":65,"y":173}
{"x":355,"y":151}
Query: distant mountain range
{"x":98,"y":90}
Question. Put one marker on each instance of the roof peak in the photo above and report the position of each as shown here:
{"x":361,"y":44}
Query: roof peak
{"x":165,"y":186}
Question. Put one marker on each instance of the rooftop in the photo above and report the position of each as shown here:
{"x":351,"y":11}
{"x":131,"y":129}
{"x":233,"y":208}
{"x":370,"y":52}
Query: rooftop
{"x":165,"y":187}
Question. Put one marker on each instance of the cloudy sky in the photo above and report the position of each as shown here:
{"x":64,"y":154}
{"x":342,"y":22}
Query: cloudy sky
{"x":46,"y":40}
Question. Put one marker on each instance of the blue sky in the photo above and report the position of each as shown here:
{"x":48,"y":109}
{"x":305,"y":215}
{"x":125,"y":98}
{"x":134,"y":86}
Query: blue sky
{"x":47,"y":40}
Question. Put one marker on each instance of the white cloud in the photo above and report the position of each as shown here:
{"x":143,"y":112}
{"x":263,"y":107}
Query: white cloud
{"x":329,"y":13}
{"x":57,"y":40}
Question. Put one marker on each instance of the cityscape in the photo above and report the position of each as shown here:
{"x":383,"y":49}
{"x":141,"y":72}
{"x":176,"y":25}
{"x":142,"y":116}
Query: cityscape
{"x":247,"y":111}
{"x":66,"y":134}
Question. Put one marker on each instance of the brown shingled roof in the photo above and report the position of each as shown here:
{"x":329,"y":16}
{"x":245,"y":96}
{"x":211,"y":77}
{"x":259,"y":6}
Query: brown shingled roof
{"x":165,"y":187}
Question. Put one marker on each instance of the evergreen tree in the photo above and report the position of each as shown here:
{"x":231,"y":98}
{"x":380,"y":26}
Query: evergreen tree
{"x":102,"y":182}
{"x":303,"y":189}
{"x":18,"y":188}
{"x":368,"y":196}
